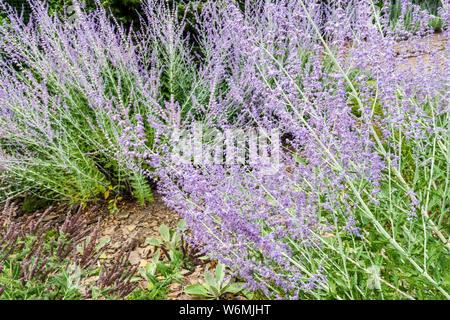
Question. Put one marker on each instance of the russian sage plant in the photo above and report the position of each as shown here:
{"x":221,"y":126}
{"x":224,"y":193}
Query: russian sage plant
{"x":70,"y":104}
{"x":358,"y":206}
{"x":347,"y":205}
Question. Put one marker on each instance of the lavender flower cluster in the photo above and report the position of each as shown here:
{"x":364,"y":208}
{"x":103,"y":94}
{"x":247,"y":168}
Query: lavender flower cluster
{"x":334,"y":79}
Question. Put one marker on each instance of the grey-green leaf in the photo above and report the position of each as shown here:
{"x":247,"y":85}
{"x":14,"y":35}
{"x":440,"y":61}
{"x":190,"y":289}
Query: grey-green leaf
{"x":197,"y":290}
{"x":153,"y":242}
{"x":165,"y":232}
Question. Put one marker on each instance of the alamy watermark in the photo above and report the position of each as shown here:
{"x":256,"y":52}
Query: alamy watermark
{"x":256,"y":148}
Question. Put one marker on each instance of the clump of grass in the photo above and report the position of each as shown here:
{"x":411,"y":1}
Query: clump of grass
{"x":38,"y":261}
